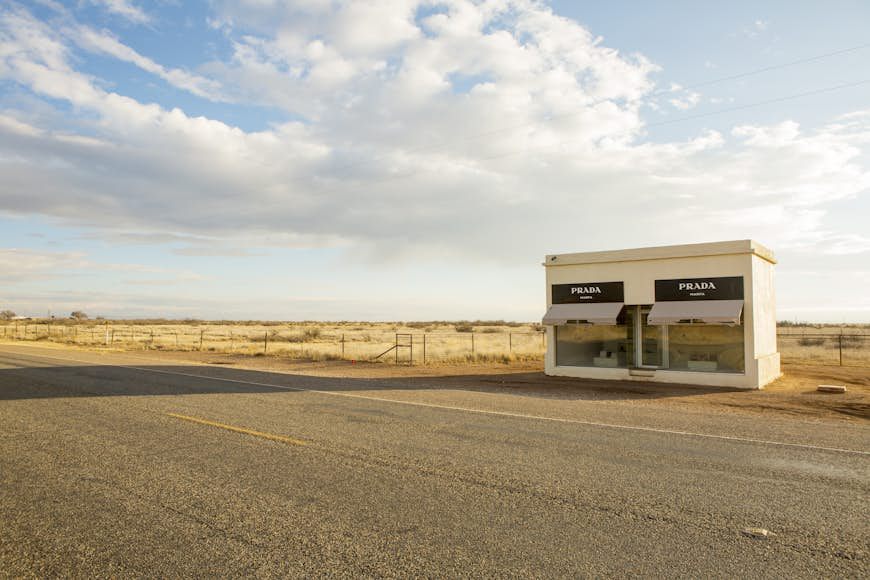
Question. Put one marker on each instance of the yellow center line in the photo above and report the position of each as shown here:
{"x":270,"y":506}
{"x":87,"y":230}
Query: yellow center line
{"x":238,"y":429}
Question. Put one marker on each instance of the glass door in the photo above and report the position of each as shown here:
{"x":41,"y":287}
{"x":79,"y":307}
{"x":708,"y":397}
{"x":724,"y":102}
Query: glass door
{"x":647,"y":343}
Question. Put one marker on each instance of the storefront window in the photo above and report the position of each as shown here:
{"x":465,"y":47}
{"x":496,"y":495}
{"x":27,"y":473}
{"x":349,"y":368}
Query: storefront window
{"x":706,"y":348}
{"x":595,"y":346}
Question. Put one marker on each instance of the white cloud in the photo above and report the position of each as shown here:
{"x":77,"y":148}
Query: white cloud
{"x":124,"y":9}
{"x":757,"y":28}
{"x":845,"y":244}
{"x":374,"y":27}
{"x":105,"y":43}
{"x":689,"y":101}
{"x":26,"y":266}
{"x":18,"y":264}
{"x":11,"y":125}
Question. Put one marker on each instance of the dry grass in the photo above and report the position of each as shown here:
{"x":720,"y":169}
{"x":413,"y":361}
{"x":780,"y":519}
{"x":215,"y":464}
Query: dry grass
{"x":825,"y":344}
{"x":485,"y":342}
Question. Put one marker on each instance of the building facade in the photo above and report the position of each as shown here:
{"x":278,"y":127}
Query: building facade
{"x":700,"y":314}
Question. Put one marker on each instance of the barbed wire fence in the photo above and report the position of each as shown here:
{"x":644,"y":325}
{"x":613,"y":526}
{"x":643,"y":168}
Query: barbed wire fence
{"x":304,"y":343}
{"x":312,"y":343}
{"x":825,"y":349}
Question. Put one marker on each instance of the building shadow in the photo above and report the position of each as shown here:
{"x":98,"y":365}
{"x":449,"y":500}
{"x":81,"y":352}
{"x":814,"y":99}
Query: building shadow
{"x":39,"y":382}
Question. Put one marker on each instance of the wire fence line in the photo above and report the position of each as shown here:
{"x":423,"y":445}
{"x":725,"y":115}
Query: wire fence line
{"x":847,"y":349}
{"x":303,"y":343}
{"x":311,"y":343}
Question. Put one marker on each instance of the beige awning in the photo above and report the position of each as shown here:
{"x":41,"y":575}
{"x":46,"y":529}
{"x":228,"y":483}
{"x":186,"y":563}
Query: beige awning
{"x":603,"y":313}
{"x":698,"y":311}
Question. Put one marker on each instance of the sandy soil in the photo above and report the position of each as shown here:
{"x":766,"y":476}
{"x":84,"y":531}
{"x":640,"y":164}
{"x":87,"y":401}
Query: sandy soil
{"x":794,"y":394}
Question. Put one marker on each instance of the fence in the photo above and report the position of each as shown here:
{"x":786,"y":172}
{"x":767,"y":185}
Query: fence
{"x":304,"y":342}
{"x":825,"y":349}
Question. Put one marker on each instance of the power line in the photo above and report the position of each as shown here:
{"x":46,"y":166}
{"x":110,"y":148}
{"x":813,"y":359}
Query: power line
{"x":775,"y":67}
{"x":761,"y":103}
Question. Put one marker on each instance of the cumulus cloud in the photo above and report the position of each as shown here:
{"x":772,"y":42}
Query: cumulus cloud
{"x":496,"y":130}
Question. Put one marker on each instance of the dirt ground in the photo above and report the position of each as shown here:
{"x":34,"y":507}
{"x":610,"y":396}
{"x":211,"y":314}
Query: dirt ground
{"x":794,"y":394}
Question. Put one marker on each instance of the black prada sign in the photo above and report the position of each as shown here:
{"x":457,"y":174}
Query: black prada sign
{"x":730,"y":288}
{"x":587,"y":292}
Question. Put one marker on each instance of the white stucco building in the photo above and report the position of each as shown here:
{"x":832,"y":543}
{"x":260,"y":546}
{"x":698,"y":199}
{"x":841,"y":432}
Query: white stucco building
{"x":700,"y":314}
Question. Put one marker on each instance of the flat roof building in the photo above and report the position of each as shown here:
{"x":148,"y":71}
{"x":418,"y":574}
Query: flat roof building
{"x":700,"y":314}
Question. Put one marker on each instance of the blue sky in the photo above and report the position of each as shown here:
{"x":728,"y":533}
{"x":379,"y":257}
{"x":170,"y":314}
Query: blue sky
{"x":405,"y":160}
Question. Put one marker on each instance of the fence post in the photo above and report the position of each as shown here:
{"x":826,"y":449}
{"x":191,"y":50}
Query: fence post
{"x":841,"y":348}
{"x":107,"y":334}
{"x":424,"y":348}
{"x":132,"y":333}
{"x":342,"y":346}
{"x":510,"y":342}
{"x":411,"y":352}
{"x":265,"y":342}
{"x":176,"y":340}
{"x":472,"y":344}
{"x":397,"y":348}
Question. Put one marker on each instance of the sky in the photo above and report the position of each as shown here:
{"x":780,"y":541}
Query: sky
{"x":416,"y":159}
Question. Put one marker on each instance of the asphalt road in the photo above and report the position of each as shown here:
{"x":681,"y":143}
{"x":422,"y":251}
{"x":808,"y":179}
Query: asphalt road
{"x":110,"y":470}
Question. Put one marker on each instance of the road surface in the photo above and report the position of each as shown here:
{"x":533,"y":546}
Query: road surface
{"x":115,"y":466}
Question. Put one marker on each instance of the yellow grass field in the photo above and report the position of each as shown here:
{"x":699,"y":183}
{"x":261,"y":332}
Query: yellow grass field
{"x":426,"y":342}
{"x":825,"y":344}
